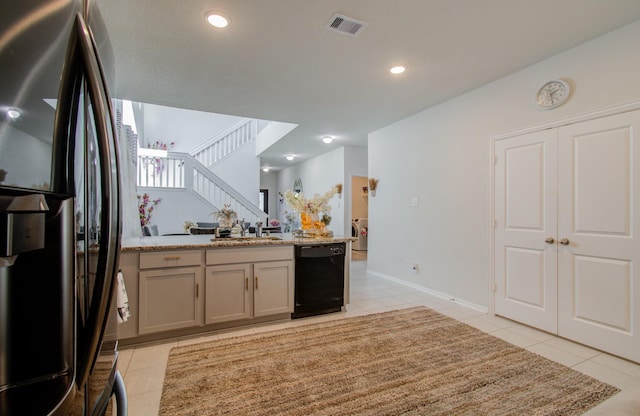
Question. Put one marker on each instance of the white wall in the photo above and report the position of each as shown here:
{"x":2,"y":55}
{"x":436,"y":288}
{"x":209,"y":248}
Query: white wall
{"x":187,"y":128}
{"x":441,"y":156}
{"x":241,"y":170}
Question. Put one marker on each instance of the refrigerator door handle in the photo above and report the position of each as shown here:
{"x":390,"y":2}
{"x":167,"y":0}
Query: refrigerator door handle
{"x":83,"y":59}
{"x":110,"y":222}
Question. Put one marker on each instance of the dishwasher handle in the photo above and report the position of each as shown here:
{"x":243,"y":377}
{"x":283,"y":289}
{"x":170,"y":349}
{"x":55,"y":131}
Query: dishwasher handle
{"x":315,"y":251}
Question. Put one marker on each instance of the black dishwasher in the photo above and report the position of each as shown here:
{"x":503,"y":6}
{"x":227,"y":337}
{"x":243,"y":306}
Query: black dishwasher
{"x":319,"y":279}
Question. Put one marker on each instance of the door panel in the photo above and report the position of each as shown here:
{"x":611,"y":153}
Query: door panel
{"x":599,"y":285}
{"x":603,"y":281}
{"x":525,"y":272}
{"x":525,"y":216}
{"x":228,"y":294}
{"x":273,"y":288}
{"x":169,"y":299}
{"x":602,"y":182}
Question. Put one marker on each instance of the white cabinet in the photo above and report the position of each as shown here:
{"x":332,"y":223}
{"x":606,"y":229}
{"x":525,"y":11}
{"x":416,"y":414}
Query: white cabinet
{"x":567,"y":230}
{"x":273,"y":288}
{"x":175,"y":292}
{"x":228,"y":293}
{"x":169,"y":297}
{"x":248,"y":286}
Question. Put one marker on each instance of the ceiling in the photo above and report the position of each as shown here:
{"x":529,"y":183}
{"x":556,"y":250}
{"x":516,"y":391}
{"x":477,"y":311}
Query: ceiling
{"x":277,"y":61}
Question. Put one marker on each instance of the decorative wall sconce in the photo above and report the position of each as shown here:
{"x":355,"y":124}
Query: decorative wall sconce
{"x":373,"y":184}
{"x":339,"y":190}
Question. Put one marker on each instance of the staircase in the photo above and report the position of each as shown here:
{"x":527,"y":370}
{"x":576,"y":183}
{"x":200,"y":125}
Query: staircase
{"x":192,"y":172}
{"x":225,"y":143}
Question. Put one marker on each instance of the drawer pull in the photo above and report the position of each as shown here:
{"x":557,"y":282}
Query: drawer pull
{"x":246,"y":283}
{"x":256,"y":282}
{"x":197,"y":290}
{"x":167,"y":258}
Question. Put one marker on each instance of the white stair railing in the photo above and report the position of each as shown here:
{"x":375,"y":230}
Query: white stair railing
{"x":181,"y":170}
{"x":225,"y":143}
{"x":161,"y":172}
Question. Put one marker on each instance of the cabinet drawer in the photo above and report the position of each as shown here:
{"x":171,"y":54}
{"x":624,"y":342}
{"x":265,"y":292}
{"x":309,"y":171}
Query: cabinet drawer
{"x":161,"y":259}
{"x":248,"y":254}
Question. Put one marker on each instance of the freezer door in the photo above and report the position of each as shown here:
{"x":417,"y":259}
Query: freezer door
{"x":85,"y":164}
{"x":37,"y":315}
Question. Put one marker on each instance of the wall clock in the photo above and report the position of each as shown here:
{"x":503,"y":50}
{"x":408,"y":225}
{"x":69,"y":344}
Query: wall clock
{"x":552,"y":94}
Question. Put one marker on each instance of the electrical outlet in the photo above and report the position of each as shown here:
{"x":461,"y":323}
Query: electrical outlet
{"x":415,"y":268}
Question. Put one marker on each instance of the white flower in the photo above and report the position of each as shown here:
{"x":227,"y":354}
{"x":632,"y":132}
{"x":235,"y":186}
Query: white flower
{"x":315,"y":205}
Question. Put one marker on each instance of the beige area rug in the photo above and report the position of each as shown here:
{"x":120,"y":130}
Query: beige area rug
{"x":406,"y":362}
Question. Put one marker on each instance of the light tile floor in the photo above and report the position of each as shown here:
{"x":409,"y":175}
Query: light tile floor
{"x":143,"y":367}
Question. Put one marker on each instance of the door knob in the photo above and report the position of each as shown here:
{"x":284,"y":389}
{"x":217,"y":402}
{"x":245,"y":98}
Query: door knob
{"x":549,"y":240}
{"x":564,"y":241}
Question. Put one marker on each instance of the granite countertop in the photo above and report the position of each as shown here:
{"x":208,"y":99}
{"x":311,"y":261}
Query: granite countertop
{"x":186,"y":241}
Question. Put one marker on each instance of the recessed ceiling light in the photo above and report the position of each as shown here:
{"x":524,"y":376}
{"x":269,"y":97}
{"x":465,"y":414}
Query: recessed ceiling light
{"x":290,"y":157}
{"x":397,"y":70}
{"x":265,"y":169}
{"x":327,"y":139}
{"x":216,"y":19}
{"x":13,"y":113}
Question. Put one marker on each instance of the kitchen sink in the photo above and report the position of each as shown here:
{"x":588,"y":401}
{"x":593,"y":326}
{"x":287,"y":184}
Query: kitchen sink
{"x":263,"y":238}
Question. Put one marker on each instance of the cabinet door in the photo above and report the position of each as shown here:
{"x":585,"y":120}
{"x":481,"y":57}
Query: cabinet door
{"x":525,"y":229}
{"x":599,"y":200}
{"x":228,"y":293}
{"x":170,"y":299}
{"x":273,"y":288}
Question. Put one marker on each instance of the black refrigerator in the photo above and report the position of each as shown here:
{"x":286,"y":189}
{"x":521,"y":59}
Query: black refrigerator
{"x":59,"y":212}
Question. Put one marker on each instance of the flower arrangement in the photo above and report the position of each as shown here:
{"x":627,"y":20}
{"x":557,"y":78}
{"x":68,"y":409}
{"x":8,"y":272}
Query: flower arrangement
{"x":145,"y":208}
{"x":226,"y":216}
{"x":290,"y":221}
{"x":373,"y":184}
{"x":274,"y":223}
{"x":339,"y":190}
{"x":156,"y":162}
{"x":188,"y":225}
{"x":317,"y":204}
{"x":160,"y":145}
{"x":314,"y":212}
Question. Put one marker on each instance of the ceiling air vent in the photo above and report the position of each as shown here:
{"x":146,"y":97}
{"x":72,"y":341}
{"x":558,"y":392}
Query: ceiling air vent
{"x":345,"y":25}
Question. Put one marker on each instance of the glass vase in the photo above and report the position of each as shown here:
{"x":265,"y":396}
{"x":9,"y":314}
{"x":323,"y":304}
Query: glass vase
{"x":312,"y":226}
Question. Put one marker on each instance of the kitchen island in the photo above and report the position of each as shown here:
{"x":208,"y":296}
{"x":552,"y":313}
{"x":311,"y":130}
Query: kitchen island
{"x":183,"y":285}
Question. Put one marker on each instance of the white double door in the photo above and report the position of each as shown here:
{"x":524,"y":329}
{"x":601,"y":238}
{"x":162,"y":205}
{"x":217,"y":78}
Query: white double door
{"x":567,"y":224}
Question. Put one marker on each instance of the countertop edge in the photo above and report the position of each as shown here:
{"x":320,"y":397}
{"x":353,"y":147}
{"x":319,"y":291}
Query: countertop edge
{"x":205,"y":241}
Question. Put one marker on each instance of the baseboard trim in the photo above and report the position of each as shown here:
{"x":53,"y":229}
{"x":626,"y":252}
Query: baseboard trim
{"x":429,"y":291}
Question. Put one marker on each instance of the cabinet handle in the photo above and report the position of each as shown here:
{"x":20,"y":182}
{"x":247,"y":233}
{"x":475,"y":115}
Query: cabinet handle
{"x":564,"y":241}
{"x":549,"y":240}
{"x":256,"y":282}
{"x":246,"y":283}
{"x":197,"y":290}
{"x":167,"y":258}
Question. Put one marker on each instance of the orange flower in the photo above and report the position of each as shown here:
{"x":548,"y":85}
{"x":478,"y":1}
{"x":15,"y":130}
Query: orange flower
{"x":306,"y":220}
{"x":318,"y":225}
